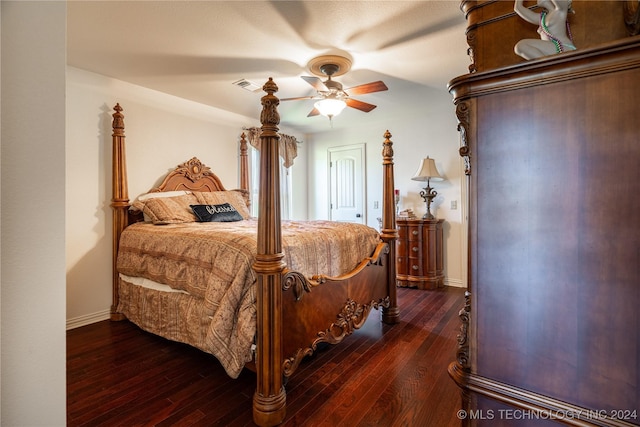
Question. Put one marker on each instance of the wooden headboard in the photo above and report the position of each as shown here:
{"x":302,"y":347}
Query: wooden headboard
{"x":193,"y":175}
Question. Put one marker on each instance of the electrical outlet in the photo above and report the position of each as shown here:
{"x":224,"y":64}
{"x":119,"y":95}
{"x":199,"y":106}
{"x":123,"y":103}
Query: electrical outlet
{"x":454,"y":204}
{"x":376,"y":205}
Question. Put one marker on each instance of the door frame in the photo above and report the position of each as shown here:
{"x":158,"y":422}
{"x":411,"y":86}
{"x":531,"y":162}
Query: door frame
{"x":362,"y":146}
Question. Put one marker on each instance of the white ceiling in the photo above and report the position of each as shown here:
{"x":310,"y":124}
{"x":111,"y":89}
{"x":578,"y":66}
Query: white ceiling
{"x":197,"y":49}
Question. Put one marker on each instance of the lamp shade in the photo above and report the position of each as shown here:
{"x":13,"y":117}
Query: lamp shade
{"x":427,"y":171}
{"x":330,"y":107}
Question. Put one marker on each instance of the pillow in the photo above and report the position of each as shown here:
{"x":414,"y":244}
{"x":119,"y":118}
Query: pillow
{"x":138,"y":204}
{"x":234,"y":198}
{"x":216,"y":213}
{"x":157,"y":194}
{"x":169,"y":210}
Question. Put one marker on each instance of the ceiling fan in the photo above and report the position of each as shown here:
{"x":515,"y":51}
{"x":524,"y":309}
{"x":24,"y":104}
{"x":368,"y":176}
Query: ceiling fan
{"x":332,"y":98}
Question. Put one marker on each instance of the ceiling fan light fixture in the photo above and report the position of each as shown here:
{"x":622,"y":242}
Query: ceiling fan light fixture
{"x":332,"y":98}
{"x":330,"y":107}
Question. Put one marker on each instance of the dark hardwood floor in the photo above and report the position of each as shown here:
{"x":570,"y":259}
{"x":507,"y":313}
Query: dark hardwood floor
{"x":118,"y":375}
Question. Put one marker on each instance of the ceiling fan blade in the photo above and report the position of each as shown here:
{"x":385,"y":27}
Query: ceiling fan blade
{"x":359,"y":105}
{"x":313,"y":112}
{"x":299,"y":98}
{"x":316,"y":83}
{"x":378,"y":86}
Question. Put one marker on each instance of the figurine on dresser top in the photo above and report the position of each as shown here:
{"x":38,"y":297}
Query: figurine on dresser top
{"x":553,"y":27}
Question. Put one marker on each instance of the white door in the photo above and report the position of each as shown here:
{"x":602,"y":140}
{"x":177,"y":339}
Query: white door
{"x":347,"y":183}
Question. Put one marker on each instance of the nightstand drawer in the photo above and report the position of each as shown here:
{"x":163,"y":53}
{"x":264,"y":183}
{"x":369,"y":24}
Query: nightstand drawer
{"x":415,"y":249}
{"x":414,"y":234}
{"x":402,"y":265}
{"x":416,"y":267}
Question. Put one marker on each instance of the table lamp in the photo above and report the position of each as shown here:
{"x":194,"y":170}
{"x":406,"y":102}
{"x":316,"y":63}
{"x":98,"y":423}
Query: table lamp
{"x":427,"y":172}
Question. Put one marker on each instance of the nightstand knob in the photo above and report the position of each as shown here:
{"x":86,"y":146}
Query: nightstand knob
{"x":414,"y":232}
{"x":415,"y":267}
{"x":414,"y":249}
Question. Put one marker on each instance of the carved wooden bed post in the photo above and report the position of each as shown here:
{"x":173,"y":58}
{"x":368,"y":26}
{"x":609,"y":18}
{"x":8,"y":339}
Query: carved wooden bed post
{"x":120,"y":198}
{"x":389,"y":232}
{"x":269,"y":399}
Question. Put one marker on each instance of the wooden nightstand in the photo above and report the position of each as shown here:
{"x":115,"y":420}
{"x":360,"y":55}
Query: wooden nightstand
{"x":419,"y":253}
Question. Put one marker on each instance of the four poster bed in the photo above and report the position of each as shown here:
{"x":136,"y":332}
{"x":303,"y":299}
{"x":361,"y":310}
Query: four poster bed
{"x":256,"y":292}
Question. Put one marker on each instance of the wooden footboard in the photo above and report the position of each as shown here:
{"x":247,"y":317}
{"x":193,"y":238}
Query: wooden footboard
{"x":326,"y":310}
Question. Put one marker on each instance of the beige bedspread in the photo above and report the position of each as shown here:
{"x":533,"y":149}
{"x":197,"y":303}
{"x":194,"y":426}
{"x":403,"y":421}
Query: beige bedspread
{"x":212,"y":262}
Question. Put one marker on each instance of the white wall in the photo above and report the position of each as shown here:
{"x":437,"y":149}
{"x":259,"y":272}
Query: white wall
{"x":161,"y":131}
{"x":33,"y":362}
{"x":432,"y":132}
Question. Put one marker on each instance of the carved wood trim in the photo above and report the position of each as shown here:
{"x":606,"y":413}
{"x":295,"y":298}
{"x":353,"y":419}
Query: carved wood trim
{"x":463,"y":115}
{"x":298,"y":283}
{"x":631,"y":10}
{"x":194,"y":169}
{"x":351,"y":317}
{"x":473,"y":25}
{"x":190,"y":175}
{"x":460,"y":369}
{"x":462,"y":355}
{"x":471,"y":32}
{"x":471,"y":50}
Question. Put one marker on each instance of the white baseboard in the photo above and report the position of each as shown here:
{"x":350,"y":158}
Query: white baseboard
{"x":88,"y":319}
{"x":454,"y":282}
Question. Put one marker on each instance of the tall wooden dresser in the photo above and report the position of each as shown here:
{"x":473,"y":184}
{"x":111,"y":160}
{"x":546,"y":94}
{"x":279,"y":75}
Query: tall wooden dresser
{"x":551,"y":327}
{"x":419,"y":253}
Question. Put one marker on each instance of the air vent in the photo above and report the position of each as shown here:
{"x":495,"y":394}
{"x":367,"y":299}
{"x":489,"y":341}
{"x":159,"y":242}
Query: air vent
{"x":247,"y":85}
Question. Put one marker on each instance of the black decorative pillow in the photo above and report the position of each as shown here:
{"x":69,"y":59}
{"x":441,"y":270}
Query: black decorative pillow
{"x":216,"y":213}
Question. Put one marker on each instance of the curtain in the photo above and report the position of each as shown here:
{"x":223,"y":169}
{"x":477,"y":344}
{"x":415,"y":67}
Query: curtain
{"x":287,"y":149}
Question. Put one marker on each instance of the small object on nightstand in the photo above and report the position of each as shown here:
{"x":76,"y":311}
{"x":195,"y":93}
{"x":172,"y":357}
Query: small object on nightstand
{"x":406,"y":214}
{"x":420,"y":261}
